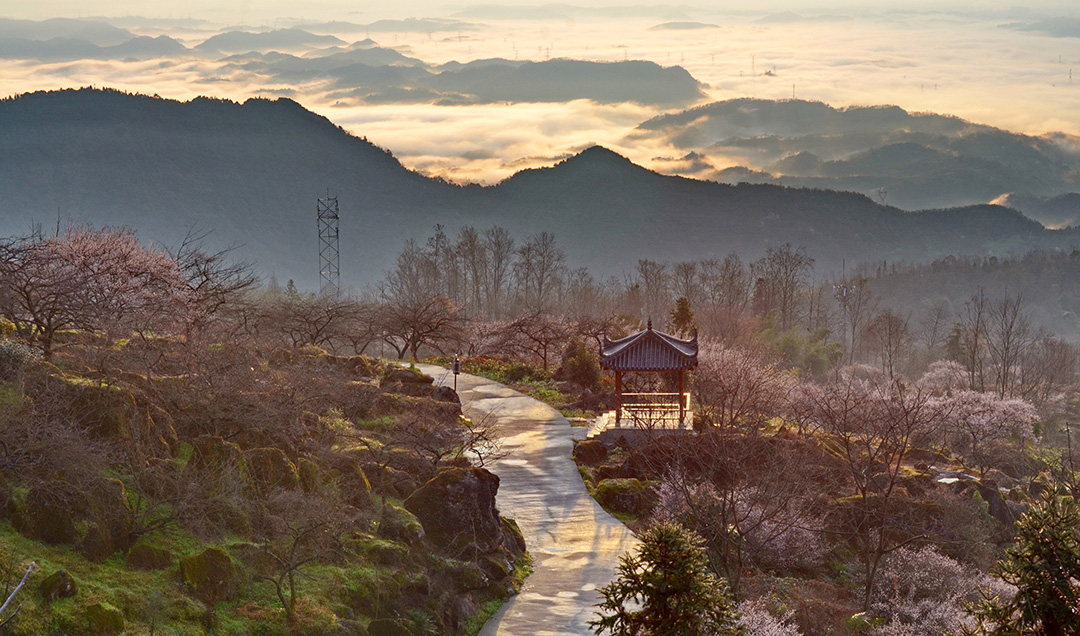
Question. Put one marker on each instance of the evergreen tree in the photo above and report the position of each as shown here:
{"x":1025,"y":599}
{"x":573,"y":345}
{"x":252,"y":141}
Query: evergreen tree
{"x":1044,"y":565}
{"x":666,"y":589}
{"x":682,"y":318}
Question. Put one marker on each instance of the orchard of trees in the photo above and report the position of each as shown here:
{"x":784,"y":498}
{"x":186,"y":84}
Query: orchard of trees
{"x":860,"y":463}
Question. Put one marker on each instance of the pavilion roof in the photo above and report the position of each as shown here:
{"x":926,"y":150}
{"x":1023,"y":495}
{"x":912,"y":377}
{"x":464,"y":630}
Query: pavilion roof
{"x":649,"y":350}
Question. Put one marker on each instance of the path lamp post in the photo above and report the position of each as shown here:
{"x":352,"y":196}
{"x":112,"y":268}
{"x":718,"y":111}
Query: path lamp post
{"x":457,"y":370}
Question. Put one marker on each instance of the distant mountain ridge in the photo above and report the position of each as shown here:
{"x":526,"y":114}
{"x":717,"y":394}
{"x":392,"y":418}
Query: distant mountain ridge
{"x":251,"y":172}
{"x":913,"y":160}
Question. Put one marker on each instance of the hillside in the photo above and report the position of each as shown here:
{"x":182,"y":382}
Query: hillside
{"x":912,"y":160}
{"x":251,"y":172}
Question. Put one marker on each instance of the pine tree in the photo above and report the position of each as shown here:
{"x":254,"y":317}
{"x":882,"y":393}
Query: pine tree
{"x":1044,"y":565}
{"x":666,"y":589}
{"x":682,"y":318}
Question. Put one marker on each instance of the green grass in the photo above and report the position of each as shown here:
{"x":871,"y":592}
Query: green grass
{"x":523,"y":567}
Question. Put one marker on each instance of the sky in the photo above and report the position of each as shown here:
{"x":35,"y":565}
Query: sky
{"x":961,"y":58}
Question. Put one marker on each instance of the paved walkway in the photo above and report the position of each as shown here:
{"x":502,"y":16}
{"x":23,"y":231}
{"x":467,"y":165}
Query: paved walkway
{"x":575,"y":545}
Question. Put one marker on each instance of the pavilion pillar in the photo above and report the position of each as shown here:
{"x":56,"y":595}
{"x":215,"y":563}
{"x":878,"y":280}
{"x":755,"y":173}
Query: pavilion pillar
{"x":618,"y":397}
{"x":682,"y":391}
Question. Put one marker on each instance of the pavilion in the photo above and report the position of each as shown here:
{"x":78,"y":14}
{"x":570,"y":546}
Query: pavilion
{"x":650,"y":380}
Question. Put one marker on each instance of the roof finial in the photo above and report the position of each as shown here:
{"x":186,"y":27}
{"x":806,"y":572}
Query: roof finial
{"x":650,"y":323}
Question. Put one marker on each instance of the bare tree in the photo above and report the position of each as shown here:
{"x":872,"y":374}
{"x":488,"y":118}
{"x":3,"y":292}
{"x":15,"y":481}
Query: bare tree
{"x":539,"y":335}
{"x":303,"y":528}
{"x":780,"y":277}
{"x":215,"y":281}
{"x":933,"y":324}
{"x":91,"y":280}
{"x":686,"y":282}
{"x":539,"y":271}
{"x":739,"y":388}
{"x":319,"y":321}
{"x":871,"y":424}
{"x":654,"y":281}
{"x":726,"y":286}
{"x":472,"y":256}
{"x":1008,"y":337}
{"x":499,"y":247}
{"x":408,"y":324}
{"x":890,"y":336}
{"x":967,"y":342}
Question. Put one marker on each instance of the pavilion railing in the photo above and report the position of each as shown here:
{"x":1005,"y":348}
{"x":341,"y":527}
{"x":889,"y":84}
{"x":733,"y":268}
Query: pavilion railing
{"x":656,"y":410}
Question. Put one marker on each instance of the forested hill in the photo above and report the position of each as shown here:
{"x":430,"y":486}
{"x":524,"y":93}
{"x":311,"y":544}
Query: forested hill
{"x":252,"y":172}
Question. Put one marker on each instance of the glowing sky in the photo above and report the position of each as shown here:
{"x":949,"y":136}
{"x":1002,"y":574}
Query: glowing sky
{"x":963,"y":58}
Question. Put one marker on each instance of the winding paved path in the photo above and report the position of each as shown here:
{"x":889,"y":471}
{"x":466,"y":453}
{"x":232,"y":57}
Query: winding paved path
{"x":575,"y":545}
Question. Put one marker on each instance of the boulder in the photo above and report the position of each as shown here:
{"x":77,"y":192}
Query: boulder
{"x":107,"y":412}
{"x":631,"y":496}
{"x":398,"y":524}
{"x":401,"y":375}
{"x":7,"y":502}
{"x":148,"y":557}
{"x":387,"y":627}
{"x":51,"y":511}
{"x":457,"y":508}
{"x":358,"y":403}
{"x":590,"y":452}
{"x":390,"y":481}
{"x":445,"y":394}
{"x":54,"y":509}
{"x":271,"y":469}
{"x":95,"y":544}
{"x":217,"y":462}
{"x":58,"y":585}
{"x":104,"y":619}
{"x":211,"y":575}
{"x":310,"y":474}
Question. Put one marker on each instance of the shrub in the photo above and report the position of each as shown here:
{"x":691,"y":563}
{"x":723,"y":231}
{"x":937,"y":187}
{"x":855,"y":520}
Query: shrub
{"x":580,"y":364}
{"x":924,"y":592}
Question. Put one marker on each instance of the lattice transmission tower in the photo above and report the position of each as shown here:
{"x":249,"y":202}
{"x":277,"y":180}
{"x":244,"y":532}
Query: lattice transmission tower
{"x":329,"y":260}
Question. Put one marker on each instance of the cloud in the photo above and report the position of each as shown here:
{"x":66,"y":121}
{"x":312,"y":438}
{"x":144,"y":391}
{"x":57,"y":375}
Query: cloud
{"x":961,"y":63}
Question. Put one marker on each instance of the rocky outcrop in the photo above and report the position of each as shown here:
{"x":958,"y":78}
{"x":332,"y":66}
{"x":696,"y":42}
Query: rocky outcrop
{"x":103,"y":619}
{"x":58,"y":585}
{"x":211,"y":576}
{"x":458,"y":513}
{"x":148,"y":557}
{"x":271,"y":469}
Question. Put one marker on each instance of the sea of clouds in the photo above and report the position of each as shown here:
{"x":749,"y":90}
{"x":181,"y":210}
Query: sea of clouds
{"x":989,"y":67}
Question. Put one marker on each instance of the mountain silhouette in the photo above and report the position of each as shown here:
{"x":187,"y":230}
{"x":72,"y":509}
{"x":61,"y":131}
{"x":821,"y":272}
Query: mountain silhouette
{"x":917,"y":160}
{"x":252,"y":172}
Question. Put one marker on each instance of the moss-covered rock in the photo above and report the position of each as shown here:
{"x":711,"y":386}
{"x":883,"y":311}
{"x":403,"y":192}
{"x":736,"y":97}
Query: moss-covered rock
{"x":211,"y":575}
{"x":219,"y":466}
{"x":399,"y":524}
{"x":103,"y":619}
{"x":590,"y":452}
{"x":387,"y":627}
{"x":7,"y":501}
{"x":457,"y":508}
{"x":630,"y":496}
{"x":270,"y":469}
{"x":94,"y":517}
{"x":390,"y":481}
{"x":106,"y":411}
{"x":51,"y":511}
{"x":211,"y":453}
{"x":95,"y":543}
{"x":58,"y":585}
{"x":148,"y":557}
{"x":310,"y":475}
